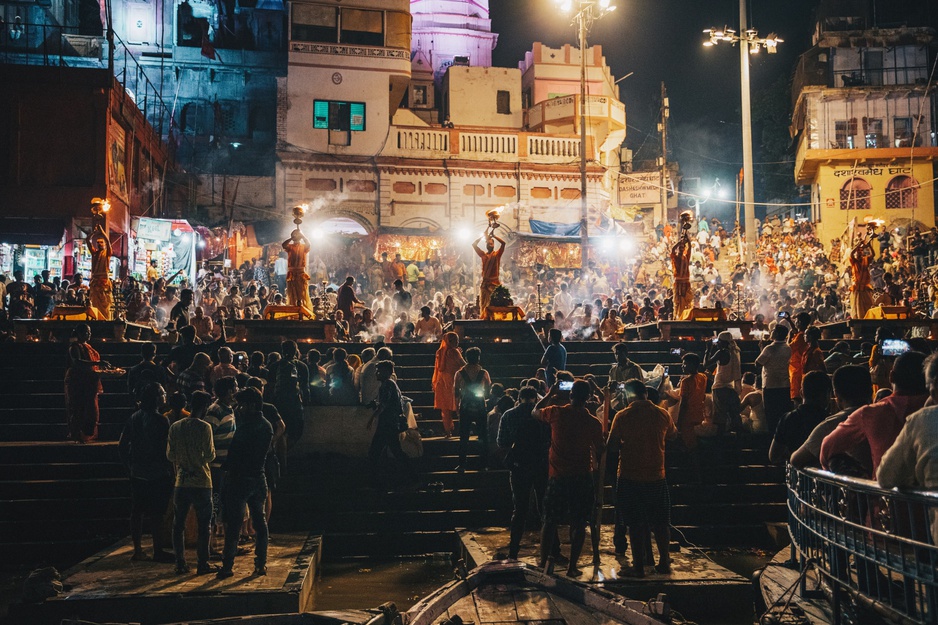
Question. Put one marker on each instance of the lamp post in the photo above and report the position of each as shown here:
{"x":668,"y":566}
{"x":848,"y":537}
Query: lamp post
{"x":750,"y":43}
{"x":587,"y":11}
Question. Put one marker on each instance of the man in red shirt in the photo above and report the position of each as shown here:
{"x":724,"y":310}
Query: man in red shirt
{"x":879,"y":424}
{"x":576,"y":441}
{"x":639,"y":433}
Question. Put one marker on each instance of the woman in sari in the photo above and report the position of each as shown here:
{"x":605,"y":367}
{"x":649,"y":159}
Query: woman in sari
{"x":448,"y":361}
{"x":82,"y":387}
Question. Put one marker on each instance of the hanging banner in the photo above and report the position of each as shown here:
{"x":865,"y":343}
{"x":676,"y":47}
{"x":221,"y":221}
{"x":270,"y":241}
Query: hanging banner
{"x":117,"y":160}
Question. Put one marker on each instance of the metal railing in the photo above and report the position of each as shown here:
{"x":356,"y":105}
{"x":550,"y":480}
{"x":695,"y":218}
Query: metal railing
{"x":876,"y":546}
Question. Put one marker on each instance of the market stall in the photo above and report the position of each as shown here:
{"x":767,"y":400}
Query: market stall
{"x":170,"y":242}
{"x":32,"y":246}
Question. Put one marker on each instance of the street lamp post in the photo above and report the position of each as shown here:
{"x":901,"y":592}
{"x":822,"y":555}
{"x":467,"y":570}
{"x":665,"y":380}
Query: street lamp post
{"x":587,"y":11}
{"x":750,"y":43}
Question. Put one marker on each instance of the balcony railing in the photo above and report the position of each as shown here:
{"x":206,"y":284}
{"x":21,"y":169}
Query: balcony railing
{"x":876,"y":546}
{"x":508,"y":147}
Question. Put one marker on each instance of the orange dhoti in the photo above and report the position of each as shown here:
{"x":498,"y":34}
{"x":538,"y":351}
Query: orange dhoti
{"x":298,"y":291}
{"x":485,"y":296}
{"x":861,"y":300}
{"x":101,"y":295}
{"x":683,"y":299}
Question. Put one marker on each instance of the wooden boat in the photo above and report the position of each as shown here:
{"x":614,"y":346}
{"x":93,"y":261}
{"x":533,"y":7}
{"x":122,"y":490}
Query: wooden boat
{"x":513,"y":592}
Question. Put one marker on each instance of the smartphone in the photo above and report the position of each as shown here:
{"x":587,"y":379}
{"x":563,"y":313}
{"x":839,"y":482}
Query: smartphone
{"x":566,"y":385}
{"x":675,"y":351}
{"x":715,"y":340}
{"x":666,"y":371}
{"x":621,"y":386}
{"x":895,"y":347}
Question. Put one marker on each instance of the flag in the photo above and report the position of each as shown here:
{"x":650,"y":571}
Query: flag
{"x":208,"y":50}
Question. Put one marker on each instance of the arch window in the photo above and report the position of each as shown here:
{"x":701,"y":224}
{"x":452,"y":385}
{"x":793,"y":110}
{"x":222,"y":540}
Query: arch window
{"x":855,"y":195}
{"x":902,"y":192}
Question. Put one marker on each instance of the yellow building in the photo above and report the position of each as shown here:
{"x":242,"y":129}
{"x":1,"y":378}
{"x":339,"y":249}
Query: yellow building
{"x":864,"y":118}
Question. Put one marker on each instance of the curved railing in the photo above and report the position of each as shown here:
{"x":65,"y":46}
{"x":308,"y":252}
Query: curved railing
{"x":877,"y":545}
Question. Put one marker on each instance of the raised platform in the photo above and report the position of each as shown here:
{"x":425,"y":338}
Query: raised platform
{"x":495,"y":331}
{"x":866,"y":328}
{"x":696,"y":586}
{"x":276,"y":330}
{"x":60,"y":330}
{"x":108,"y":587}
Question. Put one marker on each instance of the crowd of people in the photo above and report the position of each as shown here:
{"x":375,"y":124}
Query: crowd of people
{"x":212,"y":427}
{"x":397,"y":300}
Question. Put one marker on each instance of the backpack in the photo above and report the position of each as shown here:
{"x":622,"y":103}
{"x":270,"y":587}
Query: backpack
{"x":473,"y":393}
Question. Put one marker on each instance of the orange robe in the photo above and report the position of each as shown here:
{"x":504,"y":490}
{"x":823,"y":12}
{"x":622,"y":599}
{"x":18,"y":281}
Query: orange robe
{"x":297,"y":278}
{"x":683,"y":295}
{"x":691,"y":410}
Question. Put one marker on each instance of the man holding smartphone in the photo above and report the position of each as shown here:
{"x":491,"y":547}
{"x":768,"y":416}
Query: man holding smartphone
{"x":576,"y":441}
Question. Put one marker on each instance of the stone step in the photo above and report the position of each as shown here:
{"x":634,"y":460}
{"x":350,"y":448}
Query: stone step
{"x":62,"y":471}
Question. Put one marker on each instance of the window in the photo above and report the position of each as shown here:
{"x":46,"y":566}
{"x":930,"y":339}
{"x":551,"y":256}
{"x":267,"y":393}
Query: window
{"x":844,"y":132}
{"x":312,"y":22}
{"x":362,"y":27}
{"x":902,"y":132}
{"x":873,"y":130}
{"x":397,"y":33}
{"x":503,"y":102}
{"x":335,"y":115}
{"x":902,"y":192}
{"x":855,"y":195}
{"x":873,"y":66}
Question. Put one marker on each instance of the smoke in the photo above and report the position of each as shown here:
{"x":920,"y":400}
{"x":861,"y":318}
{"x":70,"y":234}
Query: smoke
{"x":326,"y":200}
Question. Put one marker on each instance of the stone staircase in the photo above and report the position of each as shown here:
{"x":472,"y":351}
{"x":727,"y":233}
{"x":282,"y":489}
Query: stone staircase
{"x":60,"y":502}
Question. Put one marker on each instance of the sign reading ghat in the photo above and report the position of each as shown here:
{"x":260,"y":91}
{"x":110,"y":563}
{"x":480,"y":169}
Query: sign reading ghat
{"x":640,"y":188}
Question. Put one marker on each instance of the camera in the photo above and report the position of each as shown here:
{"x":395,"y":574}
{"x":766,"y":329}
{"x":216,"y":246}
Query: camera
{"x":565,"y":385}
{"x":675,"y":351}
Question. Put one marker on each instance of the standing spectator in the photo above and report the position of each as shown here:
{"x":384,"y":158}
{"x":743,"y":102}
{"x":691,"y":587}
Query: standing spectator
{"x":879,"y":424}
{"x":280,"y":272}
{"x":525,"y":442}
{"x":624,"y":369}
{"x":576,"y":441}
{"x":195,"y":378}
{"x":813,"y":359}
{"x":368,"y":377}
{"x":389,"y":414}
{"x":220,"y":415}
{"x":693,"y":395}
{"x":288,"y":385}
{"x":224,"y":368}
{"x":190,"y":449}
{"x":774,"y":361}
{"x":147,"y":371}
{"x":798,"y":346}
{"x":555,"y":356}
{"x":179,"y":315}
{"x":638,"y":434}
{"x":245,"y":482}
{"x":82,"y":386}
{"x":447,"y":362}
{"x":472,"y":387}
{"x":795,"y":426}
{"x":346,"y":298}
{"x":727,"y":383}
{"x":142,"y":449}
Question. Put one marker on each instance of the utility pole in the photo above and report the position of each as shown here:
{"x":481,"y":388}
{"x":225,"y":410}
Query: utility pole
{"x":584,"y":207}
{"x":663,"y":163}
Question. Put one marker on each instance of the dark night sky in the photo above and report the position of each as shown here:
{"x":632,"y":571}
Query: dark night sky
{"x":660,"y":40}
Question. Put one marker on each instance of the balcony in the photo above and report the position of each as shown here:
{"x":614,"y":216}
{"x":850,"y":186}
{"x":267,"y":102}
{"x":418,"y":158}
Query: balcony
{"x":505,"y":147}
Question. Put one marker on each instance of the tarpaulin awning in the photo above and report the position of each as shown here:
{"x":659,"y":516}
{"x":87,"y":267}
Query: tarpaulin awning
{"x":24,"y":231}
{"x":553,"y":228}
{"x":269,"y":231}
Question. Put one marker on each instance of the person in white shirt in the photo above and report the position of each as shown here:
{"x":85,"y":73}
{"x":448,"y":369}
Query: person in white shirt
{"x":563,"y":301}
{"x":776,"y":386}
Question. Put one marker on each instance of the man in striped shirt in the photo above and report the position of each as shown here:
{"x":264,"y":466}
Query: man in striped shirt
{"x":220,"y":415}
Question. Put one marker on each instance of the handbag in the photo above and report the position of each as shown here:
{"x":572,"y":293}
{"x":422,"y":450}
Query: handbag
{"x":412,"y":443}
